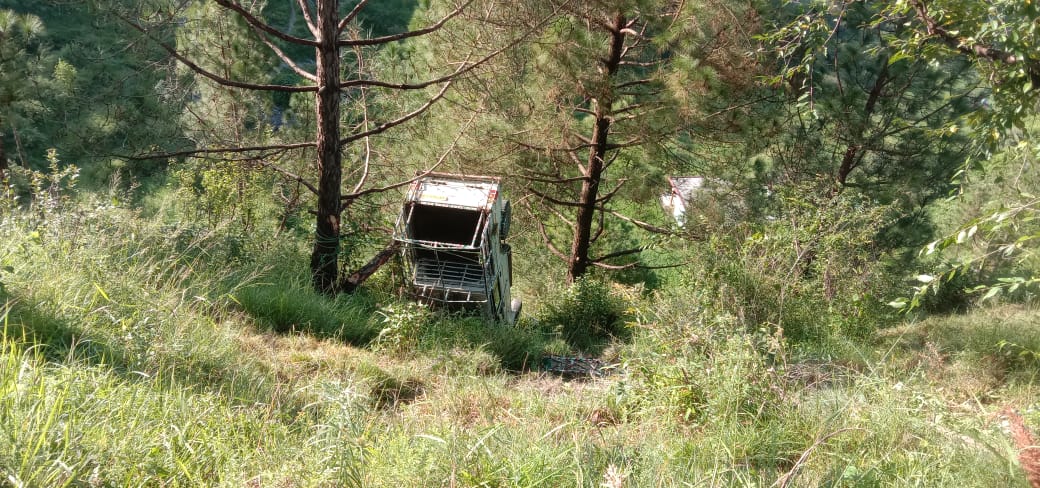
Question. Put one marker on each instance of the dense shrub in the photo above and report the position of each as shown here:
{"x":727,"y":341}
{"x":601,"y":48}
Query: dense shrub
{"x":585,"y":314}
{"x":814,"y":270}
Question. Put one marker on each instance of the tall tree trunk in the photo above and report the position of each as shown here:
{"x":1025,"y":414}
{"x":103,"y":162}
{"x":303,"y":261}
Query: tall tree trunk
{"x":855,"y":151}
{"x":579,"y":259}
{"x":3,"y":162}
{"x":326,"y":241}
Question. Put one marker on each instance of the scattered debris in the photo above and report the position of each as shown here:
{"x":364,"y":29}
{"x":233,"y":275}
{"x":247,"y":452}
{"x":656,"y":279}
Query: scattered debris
{"x":576,"y":367}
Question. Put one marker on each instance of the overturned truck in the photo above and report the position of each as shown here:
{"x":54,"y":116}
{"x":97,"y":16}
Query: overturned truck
{"x":451,"y":233}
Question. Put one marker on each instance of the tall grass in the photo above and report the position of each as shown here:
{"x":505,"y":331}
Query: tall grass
{"x":80,"y":424}
{"x":146,"y":352}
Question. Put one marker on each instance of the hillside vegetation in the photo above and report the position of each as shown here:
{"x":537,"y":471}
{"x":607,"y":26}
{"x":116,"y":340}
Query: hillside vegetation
{"x":138,"y":351}
{"x":850,"y":301}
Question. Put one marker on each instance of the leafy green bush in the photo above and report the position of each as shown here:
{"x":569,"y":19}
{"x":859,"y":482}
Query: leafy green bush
{"x":401,"y":324}
{"x":815,"y":271}
{"x":227,"y":191}
{"x":585,"y":314}
{"x":950,"y":295}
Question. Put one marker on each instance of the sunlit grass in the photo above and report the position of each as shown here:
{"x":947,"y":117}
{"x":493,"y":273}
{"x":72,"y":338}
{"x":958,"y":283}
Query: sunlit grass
{"x":140,"y":352}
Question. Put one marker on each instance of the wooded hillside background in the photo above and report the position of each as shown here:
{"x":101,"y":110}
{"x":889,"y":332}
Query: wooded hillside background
{"x":185,"y":187}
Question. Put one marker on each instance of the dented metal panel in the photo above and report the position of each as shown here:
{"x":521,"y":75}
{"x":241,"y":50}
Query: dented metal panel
{"x":476,"y":193}
{"x":450,"y":230}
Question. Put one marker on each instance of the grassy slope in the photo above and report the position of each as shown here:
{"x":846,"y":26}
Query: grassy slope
{"x":137,"y":352}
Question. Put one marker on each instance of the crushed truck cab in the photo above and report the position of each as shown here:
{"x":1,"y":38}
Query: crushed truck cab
{"x":451,"y":232}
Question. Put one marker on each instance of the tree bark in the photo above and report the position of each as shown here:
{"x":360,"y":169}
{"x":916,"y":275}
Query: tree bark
{"x":854,"y":152}
{"x":3,"y":162}
{"x":603,"y":112}
{"x":327,"y":232}
{"x":327,"y":27}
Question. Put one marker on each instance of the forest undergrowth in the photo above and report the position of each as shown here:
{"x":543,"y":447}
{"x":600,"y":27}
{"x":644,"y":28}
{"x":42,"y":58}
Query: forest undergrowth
{"x":794,"y":242}
{"x":141,"y":350}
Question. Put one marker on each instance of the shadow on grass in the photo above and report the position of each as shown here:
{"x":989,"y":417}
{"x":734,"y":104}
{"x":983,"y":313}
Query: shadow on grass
{"x":286,"y":308}
{"x":566,"y":330}
{"x":573,"y":329}
{"x":56,"y":339}
{"x":1006,"y":337}
{"x":516,"y":349}
{"x":588,"y":316}
{"x":355,"y":319}
{"x":61,"y":341}
{"x":595,"y":343}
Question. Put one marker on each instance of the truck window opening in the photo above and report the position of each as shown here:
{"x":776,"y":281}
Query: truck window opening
{"x":444,"y":224}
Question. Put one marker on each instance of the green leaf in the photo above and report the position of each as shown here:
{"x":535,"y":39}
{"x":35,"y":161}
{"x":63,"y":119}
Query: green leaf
{"x":898,"y":56}
{"x":994,"y":291}
{"x":102,"y":292}
{"x":931,"y":247}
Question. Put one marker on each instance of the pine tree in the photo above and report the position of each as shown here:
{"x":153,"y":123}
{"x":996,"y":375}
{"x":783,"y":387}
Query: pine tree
{"x":608,"y":86}
{"x":18,"y":33}
{"x":331,"y":33}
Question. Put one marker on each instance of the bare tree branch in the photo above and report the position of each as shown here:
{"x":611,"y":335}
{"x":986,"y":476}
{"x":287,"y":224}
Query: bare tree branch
{"x":634,"y":106}
{"x":364,"y":109}
{"x":289,"y":175}
{"x":614,"y":267}
{"x":463,"y":68}
{"x":308,"y":18}
{"x":632,"y":83}
{"x":613,"y":157}
{"x":974,"y":48}
{"x":561,"y":216}
{"x":444,"y":156}
{"x":375,"y":41}
{"x":404,"y":86}
{"x":610,"y":194}
{"x":618,"y":254}
{"x":213,"y":76}
{"x":629,"y":143}
{"x":278,"y":148}
{"x":556,"y":201}
{"x":532,"y":147}
{"x":638,"y":223}
{"x":345,"y":21}
{"x":284,"y":57}
{"x":259,"y":24}
{"x":387,"y":125}
{"x":642,"y":64}
{"x":552,"y":181}
{"x":581,"y":165}
{"x":546,"y":239}
{"x":601,"y":221}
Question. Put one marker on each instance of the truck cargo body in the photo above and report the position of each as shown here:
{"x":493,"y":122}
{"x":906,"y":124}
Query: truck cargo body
{"x":451,"y":230}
